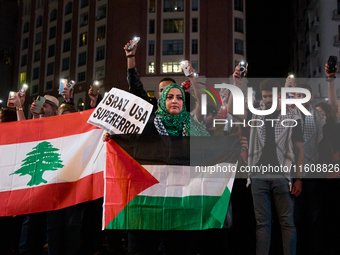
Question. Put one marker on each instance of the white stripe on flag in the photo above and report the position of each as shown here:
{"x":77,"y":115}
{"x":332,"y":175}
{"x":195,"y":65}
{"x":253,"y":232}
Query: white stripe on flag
{"x":175,"y":181}
{"x":78,"y":152}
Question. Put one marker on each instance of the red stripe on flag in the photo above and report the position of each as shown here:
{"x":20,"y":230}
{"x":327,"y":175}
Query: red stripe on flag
{"x":52,"y":196}
{"x":45,"y":128}
{"x":125,"y":179}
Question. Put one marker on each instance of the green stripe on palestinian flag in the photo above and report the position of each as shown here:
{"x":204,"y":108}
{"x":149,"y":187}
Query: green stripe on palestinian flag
{"x":147,"y":187}
{"x":50,"y":163}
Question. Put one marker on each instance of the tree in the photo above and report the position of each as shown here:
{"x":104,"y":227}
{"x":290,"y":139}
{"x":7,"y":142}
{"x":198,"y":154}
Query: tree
{"x":42,"y":158}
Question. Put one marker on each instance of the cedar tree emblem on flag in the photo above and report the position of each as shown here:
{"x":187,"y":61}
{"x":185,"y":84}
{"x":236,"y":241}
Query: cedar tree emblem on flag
{"x":42,"y":158}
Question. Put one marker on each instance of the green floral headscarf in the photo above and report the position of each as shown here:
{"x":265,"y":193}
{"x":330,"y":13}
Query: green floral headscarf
{"x":176,"y":125}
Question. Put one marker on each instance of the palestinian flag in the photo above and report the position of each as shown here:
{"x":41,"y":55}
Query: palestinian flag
{"x":168,"y":183}
{"x":50,"y":163}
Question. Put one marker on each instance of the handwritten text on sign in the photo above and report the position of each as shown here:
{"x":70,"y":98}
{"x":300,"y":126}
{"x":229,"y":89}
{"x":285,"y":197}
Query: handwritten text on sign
{"x":121,"y":112}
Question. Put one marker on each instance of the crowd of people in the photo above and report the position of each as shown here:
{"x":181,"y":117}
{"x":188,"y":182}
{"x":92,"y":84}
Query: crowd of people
{"x":281,"y":212}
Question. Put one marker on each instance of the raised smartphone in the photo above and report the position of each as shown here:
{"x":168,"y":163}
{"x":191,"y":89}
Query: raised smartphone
{"x":185,"y":66}
{"x":135,"y":40}
{"x":243,"y":67}
{"x":332,"y":60}
{"x":40,"y":102}
{"x":62,"y":84}
{"x":23,"y":90}
{"x":11,"y":94}
{"x":95,"y":87}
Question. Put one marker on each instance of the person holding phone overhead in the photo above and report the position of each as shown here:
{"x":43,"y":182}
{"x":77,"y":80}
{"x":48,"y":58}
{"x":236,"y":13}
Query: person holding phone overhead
{"x":331,"y":192}
{"x":330,"y":70}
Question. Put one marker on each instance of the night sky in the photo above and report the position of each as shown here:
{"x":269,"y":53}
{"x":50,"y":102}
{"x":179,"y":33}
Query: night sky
{"x":269,"y":27}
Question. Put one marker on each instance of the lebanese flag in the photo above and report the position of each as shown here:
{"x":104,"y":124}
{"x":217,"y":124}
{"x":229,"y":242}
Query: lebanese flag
{"x":159,"y":183}
{"x":50,"y":163}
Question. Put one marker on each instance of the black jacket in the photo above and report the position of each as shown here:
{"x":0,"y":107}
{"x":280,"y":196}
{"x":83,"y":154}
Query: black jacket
{"x":136,"y":87}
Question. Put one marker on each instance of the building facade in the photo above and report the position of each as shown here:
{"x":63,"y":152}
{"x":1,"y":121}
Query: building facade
{"x":317,"y":38}
{"x":83,"y":40}
{"x":8,"y":27}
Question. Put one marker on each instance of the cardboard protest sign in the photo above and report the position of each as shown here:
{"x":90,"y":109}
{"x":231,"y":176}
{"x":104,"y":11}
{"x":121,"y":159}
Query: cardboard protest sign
{"x":121,"y":112}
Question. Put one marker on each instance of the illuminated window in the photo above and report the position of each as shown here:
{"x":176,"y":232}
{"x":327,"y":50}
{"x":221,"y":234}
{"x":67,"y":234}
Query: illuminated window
{"x":171,"y":67}
{"x":83,"y":39}
{"x":173,"y":26}
{"x":23,"y":77}
{"x":151,"y":67}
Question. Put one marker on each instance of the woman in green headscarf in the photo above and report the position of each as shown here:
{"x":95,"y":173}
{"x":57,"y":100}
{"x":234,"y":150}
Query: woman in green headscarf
{"x":172,"y":117}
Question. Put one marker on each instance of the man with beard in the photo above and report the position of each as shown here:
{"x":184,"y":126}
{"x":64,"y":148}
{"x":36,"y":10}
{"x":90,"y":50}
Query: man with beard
{"x":48,"y":109}
{"x":276,"y":185}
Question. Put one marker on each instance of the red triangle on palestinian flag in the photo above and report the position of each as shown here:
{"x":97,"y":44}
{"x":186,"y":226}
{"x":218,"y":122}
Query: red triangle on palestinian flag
{"x":125,"y":179}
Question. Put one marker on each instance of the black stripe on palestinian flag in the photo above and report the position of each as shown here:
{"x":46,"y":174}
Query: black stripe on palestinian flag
{"x":187,"y":151}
